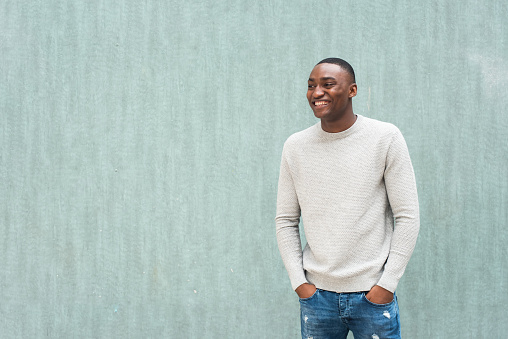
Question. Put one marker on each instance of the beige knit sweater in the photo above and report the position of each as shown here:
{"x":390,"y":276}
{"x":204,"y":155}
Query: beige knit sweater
{"x":356,"y":193}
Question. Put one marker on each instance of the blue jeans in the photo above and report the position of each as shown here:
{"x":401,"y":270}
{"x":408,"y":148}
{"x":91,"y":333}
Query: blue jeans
{"x":327,"y":315}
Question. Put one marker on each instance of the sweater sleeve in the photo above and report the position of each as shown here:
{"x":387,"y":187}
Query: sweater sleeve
{"x":286,"y":223}
{"x":402,"y":195}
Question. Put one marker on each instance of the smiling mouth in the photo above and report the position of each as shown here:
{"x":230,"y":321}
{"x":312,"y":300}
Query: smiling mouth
{"x":321,"y":103}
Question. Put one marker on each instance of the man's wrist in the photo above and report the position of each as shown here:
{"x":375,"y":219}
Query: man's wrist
{"x":379,"y":295}
{"x":305,"y":290}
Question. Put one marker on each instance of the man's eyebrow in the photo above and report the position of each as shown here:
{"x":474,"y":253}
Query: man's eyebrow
{"x":323,"y":79}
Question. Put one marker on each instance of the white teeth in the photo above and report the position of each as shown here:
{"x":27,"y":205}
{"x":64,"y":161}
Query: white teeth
{"x":320,"y":103}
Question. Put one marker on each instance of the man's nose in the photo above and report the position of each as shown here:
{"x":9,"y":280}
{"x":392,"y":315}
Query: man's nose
{"x":318,"y":91}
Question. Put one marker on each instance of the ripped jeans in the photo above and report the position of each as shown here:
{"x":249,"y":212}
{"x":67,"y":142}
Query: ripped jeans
{"x":327,"y":315}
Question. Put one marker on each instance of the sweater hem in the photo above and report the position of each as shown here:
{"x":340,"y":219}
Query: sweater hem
{"x":342,"y":285}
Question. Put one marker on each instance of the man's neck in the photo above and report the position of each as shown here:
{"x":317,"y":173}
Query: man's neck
{"x":339,"y":125}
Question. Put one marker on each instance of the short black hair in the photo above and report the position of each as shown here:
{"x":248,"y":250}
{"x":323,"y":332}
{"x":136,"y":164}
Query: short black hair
{"x":342,"y":63}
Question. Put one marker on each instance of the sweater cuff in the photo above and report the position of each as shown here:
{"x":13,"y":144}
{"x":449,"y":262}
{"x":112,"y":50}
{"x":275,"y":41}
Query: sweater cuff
{"x":388,"y":281}
{"x":297,"y":279}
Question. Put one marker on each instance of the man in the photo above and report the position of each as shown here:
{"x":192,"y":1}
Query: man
{"x":351,"y":180}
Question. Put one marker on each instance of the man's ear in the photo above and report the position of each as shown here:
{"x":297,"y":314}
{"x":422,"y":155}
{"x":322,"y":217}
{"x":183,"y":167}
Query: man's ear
{"x":352,"y":90}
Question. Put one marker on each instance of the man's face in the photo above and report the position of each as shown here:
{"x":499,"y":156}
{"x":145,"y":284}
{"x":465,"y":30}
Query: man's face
{"x":330,"y":91}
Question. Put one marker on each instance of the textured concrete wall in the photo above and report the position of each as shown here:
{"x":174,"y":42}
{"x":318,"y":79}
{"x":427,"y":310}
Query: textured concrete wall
{"x":140,"y":144}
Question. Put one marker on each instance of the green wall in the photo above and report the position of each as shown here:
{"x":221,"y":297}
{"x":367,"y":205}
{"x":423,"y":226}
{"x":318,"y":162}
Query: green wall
{"x":139,"y":153}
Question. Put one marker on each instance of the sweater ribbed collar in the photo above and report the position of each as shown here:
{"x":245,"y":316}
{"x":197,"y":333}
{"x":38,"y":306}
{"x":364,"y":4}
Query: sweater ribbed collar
{"x":339,"y":135}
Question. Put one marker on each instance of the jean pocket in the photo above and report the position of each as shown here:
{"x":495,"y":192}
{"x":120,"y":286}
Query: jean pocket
{"x":374,"y":304}
{"x":312,"y":296}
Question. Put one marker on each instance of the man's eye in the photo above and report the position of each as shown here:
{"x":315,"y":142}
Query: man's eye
{"x":311,"y":86}
{"x":329,"y":84}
